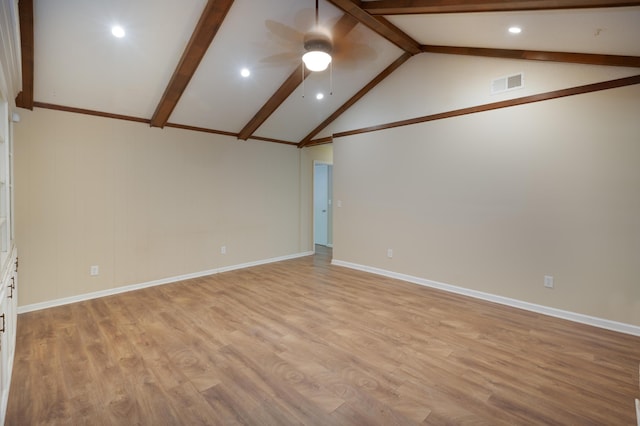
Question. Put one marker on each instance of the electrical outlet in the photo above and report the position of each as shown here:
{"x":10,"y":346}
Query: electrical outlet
{"x":389,"y":253}
{"x":94,"y":270}
{"x":223,"y":250}
{"x":548,"y":281}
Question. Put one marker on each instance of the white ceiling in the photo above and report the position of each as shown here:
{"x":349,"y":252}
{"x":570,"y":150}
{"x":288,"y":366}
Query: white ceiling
{"x":78,"y":63}
{"x":612,"y":31}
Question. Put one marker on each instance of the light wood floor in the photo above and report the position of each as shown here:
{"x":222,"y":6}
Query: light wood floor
{"x":304,"y":342}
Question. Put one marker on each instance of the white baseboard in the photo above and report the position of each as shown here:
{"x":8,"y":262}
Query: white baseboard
{"x":558,"y":313}
{"x":264,"y":262}
{"x":123,"y":289}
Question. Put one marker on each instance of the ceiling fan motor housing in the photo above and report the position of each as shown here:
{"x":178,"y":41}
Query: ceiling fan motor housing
{"x":317,"y":42}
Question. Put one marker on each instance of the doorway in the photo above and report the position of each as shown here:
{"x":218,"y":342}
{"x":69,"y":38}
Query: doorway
{"x":322,"y":205}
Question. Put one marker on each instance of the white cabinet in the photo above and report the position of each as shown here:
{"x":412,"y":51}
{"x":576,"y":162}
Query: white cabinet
{"x":8,"y":256}
{"x":10,"y":86}
{"x":8,"y":319}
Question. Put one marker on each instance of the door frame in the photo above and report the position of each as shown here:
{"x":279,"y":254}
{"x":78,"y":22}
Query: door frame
{"x":329,"y":202}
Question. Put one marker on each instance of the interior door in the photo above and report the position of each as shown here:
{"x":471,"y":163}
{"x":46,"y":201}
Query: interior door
{"x":321,"y":211}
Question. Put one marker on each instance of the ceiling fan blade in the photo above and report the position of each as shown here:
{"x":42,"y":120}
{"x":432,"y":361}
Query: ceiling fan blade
{"x":284,"y":32}
{"x":357,"y":52}
{"x":350,"y":52}
{"x":305,"y":19}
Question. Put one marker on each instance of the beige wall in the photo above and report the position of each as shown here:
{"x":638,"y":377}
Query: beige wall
{"x":494,"y":201}
{"x":433,"y":83}
{"x":491,"y":201}
{"x":144,"y":203}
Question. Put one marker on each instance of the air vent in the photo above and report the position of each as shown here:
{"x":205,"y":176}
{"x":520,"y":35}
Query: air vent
{"x":510,"y":82}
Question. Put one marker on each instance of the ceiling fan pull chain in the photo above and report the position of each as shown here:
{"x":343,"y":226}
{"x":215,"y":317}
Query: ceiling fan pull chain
{"x":302,"y":79}
{"x":331,"y":78}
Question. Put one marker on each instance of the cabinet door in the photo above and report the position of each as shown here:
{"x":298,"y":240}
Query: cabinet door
{"x":11,"y":316}
{"x":4,"y":348}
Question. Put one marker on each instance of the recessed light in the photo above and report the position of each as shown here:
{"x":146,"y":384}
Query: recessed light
{"x":117,"y":31}
{"x":515,"y":30}
{"x":245,"y":72}
{"x":319,"y":96}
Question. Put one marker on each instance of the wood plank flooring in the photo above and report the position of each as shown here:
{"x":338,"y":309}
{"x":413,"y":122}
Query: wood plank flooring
{"x":304,"y":342}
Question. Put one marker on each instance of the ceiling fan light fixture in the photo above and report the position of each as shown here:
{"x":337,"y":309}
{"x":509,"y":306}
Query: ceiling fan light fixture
{"x":318,"y":52}
{"x":316,"y":60}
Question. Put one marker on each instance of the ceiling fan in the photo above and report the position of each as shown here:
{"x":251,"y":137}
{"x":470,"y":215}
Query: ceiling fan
{"x":318,"y":47}
{"x":302,"y":40}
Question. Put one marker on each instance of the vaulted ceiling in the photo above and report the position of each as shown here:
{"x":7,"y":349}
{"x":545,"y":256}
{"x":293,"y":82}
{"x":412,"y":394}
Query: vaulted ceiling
{"x":179,"y":62}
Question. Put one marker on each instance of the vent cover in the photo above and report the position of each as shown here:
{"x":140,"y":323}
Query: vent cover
{"x":510,"y":82}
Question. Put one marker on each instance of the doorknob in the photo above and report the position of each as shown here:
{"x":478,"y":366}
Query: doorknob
{"x":324,"y":211}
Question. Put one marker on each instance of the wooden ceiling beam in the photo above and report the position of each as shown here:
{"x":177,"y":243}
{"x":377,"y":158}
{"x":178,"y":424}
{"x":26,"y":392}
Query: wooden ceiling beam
{"x":320,"y":141}
{"x":283,"y":92}
{"x":344,"y":25}
{"x":210,"y":21}
{"x":538,"y":55}
{"x":378,"y":25}
{"x":307,"y":141}
{"x":25,"y":12}
{"x":406,"y":7}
